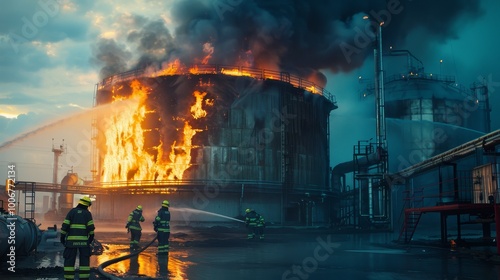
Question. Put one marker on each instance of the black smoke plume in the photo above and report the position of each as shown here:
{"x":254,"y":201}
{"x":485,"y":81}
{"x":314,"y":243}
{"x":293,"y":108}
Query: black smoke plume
{"x":299,"y":36}
{"x":111,"y":57}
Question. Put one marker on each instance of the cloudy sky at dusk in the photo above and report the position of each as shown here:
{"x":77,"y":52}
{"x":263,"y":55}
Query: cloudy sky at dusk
{"x":52,"y":54}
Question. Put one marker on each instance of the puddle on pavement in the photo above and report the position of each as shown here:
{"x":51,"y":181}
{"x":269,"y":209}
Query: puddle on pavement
{"x":147,"y":264}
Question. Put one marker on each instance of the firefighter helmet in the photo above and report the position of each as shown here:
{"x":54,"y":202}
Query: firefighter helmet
{"x":139,"y":207}
{"x":165,"y":203}
{"x":85,"y":201}
{"x":248,"y":210}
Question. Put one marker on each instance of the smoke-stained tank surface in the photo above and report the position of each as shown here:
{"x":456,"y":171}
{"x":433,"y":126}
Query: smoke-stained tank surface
{"x":230,"y":125}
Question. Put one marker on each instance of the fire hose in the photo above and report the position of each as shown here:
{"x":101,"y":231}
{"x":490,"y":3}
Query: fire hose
{"x":101,"y":267}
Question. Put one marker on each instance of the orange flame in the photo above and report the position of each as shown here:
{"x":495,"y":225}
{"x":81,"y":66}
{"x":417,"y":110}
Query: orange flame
{"x":115,"y":90}
{"x":126,"y":157}
{"x":209,"y":50}
{"x":124,"y":137}
{"x":312,"y":89}
{"x":171,"y":68}
{"x":197,"y":110}
{"x":235,"y":72}
{"x":194,"y":70}
{"x":180,"y":156}
{"x":209,"y":102}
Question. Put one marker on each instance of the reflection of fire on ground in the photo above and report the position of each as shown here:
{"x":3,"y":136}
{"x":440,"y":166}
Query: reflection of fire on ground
{"x":147,"y":263}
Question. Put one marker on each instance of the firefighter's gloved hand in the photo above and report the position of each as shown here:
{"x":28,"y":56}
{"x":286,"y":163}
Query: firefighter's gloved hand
{"x":63,"y":239}
{"x":156,"y":229}
{"x":91,"y":238}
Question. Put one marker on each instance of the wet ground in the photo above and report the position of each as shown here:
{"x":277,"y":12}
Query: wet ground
{"x":291,"y":254}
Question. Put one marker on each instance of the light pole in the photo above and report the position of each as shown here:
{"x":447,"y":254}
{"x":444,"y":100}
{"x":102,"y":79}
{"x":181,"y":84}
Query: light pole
{"x":379,"y":96}
{"x":373,"y":187}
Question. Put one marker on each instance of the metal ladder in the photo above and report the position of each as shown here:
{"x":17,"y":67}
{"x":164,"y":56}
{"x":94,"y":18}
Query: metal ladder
{"x":412,"y":217}
{"x":409,"y":226}
{"x":29,"y":201}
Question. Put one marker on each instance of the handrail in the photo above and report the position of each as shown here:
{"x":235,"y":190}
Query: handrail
{"x":423,"y":76}
{"x":170,"y":186}
{"x":466,"y":149}
{"x":199,"y":69}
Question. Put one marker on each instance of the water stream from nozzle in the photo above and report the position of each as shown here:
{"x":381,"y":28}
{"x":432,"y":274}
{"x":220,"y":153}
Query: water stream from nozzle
{"x":191,"y":210}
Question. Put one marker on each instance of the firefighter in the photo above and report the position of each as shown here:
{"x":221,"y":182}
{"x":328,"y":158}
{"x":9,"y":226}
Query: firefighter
{"x":261,"y":224}
{"x":162,"y":227}
{"x":77,"y":233}
{"x":134,"y":227}
{"x":251,"y":221}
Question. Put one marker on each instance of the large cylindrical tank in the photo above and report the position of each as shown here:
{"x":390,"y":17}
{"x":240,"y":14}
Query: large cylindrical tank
{"x":18,"y":232}
{"x":427,"y":115}
{"x":253,"y":130}
{"x":66,"y":199}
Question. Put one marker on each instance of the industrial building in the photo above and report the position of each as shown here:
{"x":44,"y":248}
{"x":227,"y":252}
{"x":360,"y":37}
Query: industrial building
{"x":428,"y":120}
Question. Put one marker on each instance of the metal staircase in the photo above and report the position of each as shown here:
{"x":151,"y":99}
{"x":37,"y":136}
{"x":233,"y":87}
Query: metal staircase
{"x":411,"y":215}
{"x":409,"y":226}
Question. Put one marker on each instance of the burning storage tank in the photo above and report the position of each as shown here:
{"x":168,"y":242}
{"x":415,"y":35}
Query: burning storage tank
{"x":247,"y":131}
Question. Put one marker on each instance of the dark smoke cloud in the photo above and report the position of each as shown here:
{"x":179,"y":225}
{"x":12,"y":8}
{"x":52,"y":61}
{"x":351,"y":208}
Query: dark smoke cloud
{"x":299,"y":36}
{"x":110,"y":56}
{"x":440,"y":19}
{"x":154,"y":42}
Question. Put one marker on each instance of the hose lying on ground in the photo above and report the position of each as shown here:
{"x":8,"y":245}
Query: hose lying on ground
{"x":101,"y":267}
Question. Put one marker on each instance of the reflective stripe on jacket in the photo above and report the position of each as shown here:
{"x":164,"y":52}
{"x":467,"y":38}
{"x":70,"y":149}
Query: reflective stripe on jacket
{"x":261,"y":222}
{"x":162,"y":220}
{"x":78,"y":226}
{"x":252,"y":218}
{"x":134,"y":218}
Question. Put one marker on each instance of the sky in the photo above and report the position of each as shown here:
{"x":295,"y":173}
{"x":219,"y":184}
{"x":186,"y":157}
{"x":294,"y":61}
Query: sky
{"x":52,"y":54}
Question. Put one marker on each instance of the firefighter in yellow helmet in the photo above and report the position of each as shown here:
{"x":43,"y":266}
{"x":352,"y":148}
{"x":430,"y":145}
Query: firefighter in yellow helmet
{"x":252,"y":220}
{"x":134,"y":227}
{"x":162,"y":227}
{"x":77,"y":233}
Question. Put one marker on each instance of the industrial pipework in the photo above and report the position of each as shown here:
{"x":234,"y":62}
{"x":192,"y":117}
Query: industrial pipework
{"x":17,"y":232}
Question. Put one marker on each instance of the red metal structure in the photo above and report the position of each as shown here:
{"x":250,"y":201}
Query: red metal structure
{"x":462,"y":181}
